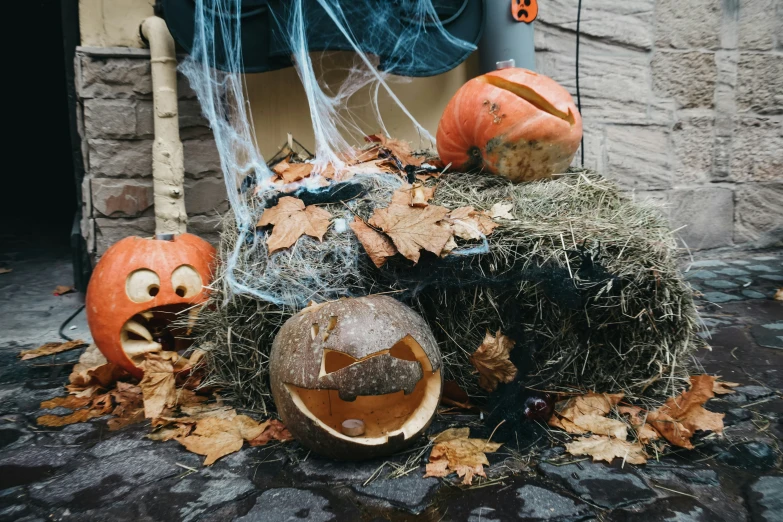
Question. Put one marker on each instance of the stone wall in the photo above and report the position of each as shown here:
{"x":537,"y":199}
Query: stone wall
{"x":682,"y":102}
{"x":115,"y":94}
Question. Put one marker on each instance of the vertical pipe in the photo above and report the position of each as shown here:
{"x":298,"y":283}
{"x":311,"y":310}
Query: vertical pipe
{"x":505,"y":39}
{"x":168,"y":168}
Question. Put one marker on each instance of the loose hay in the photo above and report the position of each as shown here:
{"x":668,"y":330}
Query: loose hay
{"x":583,"y":279}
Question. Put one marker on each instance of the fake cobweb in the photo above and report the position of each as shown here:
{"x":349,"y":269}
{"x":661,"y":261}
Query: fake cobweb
{"x":403,"y":36}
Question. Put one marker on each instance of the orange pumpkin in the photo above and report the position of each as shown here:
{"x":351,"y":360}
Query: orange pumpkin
{"x":138,"y":287}
{"x":511,"y":122}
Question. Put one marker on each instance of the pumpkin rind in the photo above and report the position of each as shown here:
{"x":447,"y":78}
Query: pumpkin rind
{"x":107,"y":304}
{"x":365,"y":329}
{"x":489,"y":127}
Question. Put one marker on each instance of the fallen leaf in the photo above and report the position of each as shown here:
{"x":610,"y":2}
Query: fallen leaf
{"x":93,"y":373}
{"x":6,"y":270}
{"x":157,"y":385}
{"x":413,"y":229}
{"x":590,"y":406}
{"x":51,"y":349}
{"x":291,"y":220}
{"x":82,"y":415}
{"x":63,"y":289}
{"x":501,"y":210}
{"x":455,"y":452}
{"x":296,"y":172}
{"x":670,"y":429}
{"x":274,"y":430}
{"x":687,"y":408}
{"x":399,"y":148}
{"x":453,"y":395}
{"x":638,"y":418}
{"x":600,"y":425}
{"x":72,"y":402}
{"x":724,"y":388}
{"x":216,"y":437}
{"x":421,"y":195}
{"x":607,"y":448}
{"x":491,"y":360}
{"x":778,"y":295}
{"x":468,"y":223}
{"x":378,"y":246}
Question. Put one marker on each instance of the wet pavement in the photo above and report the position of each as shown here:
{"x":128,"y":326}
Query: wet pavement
{"x":84,"y":472}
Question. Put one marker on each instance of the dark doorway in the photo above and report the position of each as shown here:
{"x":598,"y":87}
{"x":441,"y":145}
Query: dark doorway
{"x":39,"y":183}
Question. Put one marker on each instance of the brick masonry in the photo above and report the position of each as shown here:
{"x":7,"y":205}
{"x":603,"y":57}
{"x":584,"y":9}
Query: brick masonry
{"x":115,"y":103}
{"x":682,"y":103}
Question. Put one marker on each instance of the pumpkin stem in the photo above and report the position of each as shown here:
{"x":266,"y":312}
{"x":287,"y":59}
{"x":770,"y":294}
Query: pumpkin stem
{"x":530,"y":96}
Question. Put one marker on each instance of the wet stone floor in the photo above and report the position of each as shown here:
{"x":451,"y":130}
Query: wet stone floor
{"x":84,"y":472}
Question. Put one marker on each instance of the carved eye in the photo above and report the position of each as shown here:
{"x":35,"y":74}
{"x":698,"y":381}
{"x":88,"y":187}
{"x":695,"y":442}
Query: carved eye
{"x":186,"y":281}
{"x":142,"y":285}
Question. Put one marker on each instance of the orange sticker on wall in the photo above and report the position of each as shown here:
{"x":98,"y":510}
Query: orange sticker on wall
{"x":524,"y":10}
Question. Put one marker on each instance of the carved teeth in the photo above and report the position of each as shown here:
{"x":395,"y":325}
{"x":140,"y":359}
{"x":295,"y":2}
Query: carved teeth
{"x":138,"y":329}
{"x":147,"y":315}
{"x":135,"y":347}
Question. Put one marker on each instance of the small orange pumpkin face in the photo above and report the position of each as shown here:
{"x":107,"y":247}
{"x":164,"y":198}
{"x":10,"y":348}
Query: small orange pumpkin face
{"x":524,"y":10}
{"x":512,"y":122}
{"x":137,"y":289}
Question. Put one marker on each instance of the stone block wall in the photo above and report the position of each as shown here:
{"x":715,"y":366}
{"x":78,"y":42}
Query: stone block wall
{"x":114,"y":87}
{"x":682,"y":102}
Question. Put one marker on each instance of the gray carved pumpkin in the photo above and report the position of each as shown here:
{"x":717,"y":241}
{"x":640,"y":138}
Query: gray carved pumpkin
{"x":370,"y":358}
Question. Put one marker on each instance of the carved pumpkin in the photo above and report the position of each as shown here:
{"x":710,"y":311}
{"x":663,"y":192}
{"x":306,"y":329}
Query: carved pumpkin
{"x":524,"y":10}
{"x":138,"y":287}
{"x":356,"y":378}
{"x":512,"y":122}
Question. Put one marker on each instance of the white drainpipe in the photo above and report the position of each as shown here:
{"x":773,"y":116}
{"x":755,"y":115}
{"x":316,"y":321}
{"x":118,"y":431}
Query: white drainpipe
{"x":168,"y":168}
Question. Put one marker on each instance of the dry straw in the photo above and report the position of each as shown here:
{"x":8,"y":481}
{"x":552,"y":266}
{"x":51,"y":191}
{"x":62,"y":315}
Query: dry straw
{"x":582,"y":278}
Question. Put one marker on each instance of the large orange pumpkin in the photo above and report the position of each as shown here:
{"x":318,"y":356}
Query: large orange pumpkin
{"x":512,"y":122}
{"x":137,"y":289}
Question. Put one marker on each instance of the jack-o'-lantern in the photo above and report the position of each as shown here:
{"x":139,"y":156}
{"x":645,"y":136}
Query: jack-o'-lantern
{"x":137,"y":290}
{"x":524,"y":10}
{"x":511,"y":122}
{"x":356,"y":378}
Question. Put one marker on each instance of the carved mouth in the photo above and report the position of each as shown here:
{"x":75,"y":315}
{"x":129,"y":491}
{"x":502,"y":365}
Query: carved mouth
{"x":155,"y":330}
{"x":385,"y":416}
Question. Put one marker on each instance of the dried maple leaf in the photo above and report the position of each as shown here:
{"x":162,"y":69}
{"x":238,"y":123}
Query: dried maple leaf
{"x":455,"y":452}
{"x":51,"y":349}
{"x":600,"y":425}
{"x":413,"y":229}
{"x":93,"y":373}
{"x":378,"y":246}
{"x":273,"y":430}
{"x":778,"y":295}
{"x":82,"y":415}
{"x":607,"y":448}
{"x":399,"y":148}
{"x":491,"y":360}
{"x":670,"y":429}
{"x":687,"y":408}
{"x":63,"y":289}
{"x":72,"y":402}
{"x":157,"y":385}
{"x":501,"y":210}
{"x":583,"y":414}
{"x":421,"y":195}
{"x":638,"y":418}
{"x":468,"y":223}
{"x":291,"y":220}
{"x":6,"y":270}
{"x":216,"y":437}
{"x":724,"y":388}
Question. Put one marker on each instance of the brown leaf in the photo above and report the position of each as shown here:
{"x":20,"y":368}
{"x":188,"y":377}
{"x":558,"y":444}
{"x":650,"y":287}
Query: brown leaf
{"x":6,"y":270}
{"x":670,"y":429}
{"x":131,"y":417}
{"x":468,"y":223}
{"x":601,"y":425}
{"x":216,"y":436}
{"x":491,"y":360}
{"x":82,"y":415}
{"x":51,"y":348}
{"x":453,"y":395}
{"x":400,"y":149}
{"x":578,"y":415}
{"x":589,"y":404}
{"x":724,"y":388}
{"x":291,"y":220}
{"x":273,"y":430}
{"x":63,"y":289}
{"x":454,"y":452}
{"x":92,"y":373}
{"x":412,"y":229}
{"x":378,"y":246}
{"x":157,"y":385}
{"x":638,"y":418}
{"x":421,"y":195}
{"x":606,"y":448}
{"x":778,"y":295}
{"x":72,"y":402}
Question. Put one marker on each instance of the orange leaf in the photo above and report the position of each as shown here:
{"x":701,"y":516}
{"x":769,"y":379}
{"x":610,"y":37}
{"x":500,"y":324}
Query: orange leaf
{"x":82,"y":415}
{"x":378,"y":246}
{"x":491,"y":359}
{"x":291,"y":220}
{"x":157,"y":385}
{"x":724,"y":388}
{"x":296,"y":172}
{"x":412,"y":229}
{"x":72,"y":402}
{"x":455,"y":452}
{"x":51,"y":349}
{"x":400,"y":149}
{"x":607,"y":448}
{"x":687,"y":408}
{"x":275,"y":430}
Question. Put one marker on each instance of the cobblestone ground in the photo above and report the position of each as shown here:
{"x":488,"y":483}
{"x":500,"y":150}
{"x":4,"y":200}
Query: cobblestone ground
{"x":84,"y":472}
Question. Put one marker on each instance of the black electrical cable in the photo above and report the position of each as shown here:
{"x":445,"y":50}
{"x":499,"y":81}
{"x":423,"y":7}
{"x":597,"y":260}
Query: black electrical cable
{"x":65,"y":323}
{"x":578,"y":94}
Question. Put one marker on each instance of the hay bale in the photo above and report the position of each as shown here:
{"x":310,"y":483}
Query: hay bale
{"x":583,"y":279}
